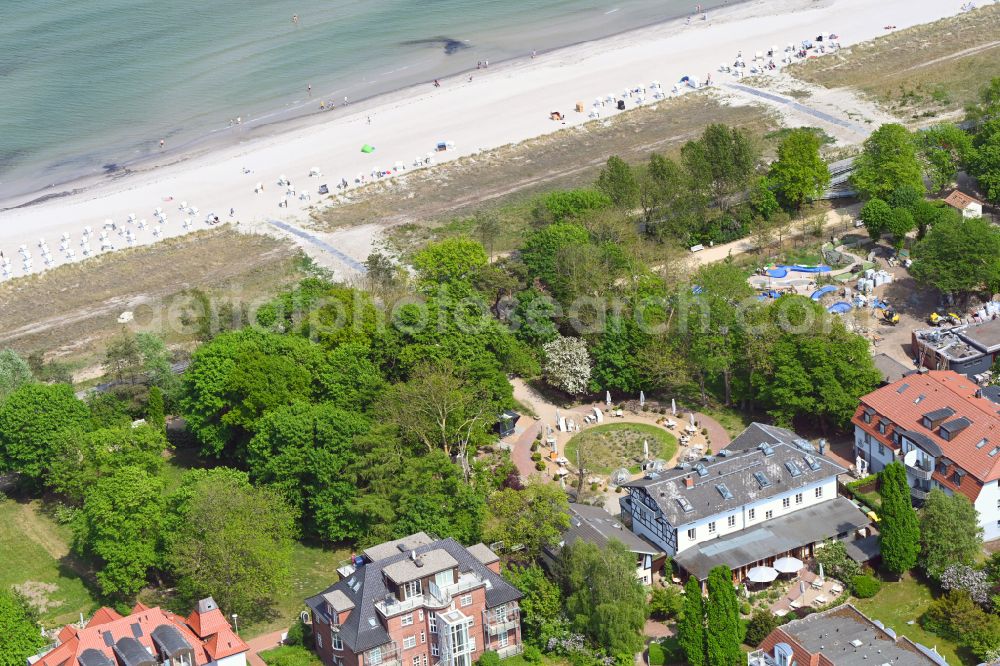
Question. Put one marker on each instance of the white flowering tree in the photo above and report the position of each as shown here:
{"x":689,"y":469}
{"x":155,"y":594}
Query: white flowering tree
{"x":567,"y":365}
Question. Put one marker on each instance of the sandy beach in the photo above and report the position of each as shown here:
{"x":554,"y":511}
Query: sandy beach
{"x":505,"y":104}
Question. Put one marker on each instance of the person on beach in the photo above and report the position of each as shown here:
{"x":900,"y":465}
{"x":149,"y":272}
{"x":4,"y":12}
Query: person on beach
{"x":533,"y":54}
{"x":162,"y":143}
{"x":295,"y":19}
{"x":479,"y":64}
{"x":437,"y":84}
{"x":232,"y":212}
{"x":309,"y":89}
{"x":345,"y":100}
{"x":486,"y":63}
{"x":369,"y":120}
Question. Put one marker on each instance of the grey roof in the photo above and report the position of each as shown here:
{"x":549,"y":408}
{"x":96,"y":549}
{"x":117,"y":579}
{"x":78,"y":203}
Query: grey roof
{"x":984,"y":336}
{"x":425,"y":564}
{"x":338,"y":601}
{"x":681,"y":505}
{"x":891,"y":369}
{"x":482,"y":552}
{"x":992,"y":393}
{"x":367,"y":585}
{"x":778,"y":535}
{"x":862,"y":549}
{"x":391,"y":548}
{"x":131,"y":653}
{"x":849,"y":638}
{"x":169,"y":640}
{"x":760,"y":433}
{"x":593,"y":524}
{"x":207,"y":604}
{"x":92,"y":657}
{"x":923,"y":441}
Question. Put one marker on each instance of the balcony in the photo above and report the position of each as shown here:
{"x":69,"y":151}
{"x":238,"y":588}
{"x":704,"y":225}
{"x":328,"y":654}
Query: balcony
{"x":510,"y":651}
{"x":919,"y":494}
{"x":502,"y":627}
{"x":435,"y":597}
{"x":922,"y":471}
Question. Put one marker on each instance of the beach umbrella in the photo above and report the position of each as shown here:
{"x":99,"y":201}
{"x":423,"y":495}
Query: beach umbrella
{"x":762,"y":574}
{"x":821,"y":571}
{"x":368,"y":148}
{"x":607,"y":398}
{"x":645,"y":449}
{"x":642,"y":399}
{"x":788,"y":564}
{"x":692,"y":418}
{"x":802,"y":587}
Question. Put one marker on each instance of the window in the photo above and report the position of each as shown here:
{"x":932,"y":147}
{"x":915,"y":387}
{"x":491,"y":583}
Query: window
{"x":881,"y":449}
{"x":420,"y":614}
{"x":711,"y":527}
{"x":406,"y":620}
{"x":444,"y":578}
{"x":423,"y":637}
{"x":798,"y":498}
{"x":409,"y":642}
{"x":786,"y":502}
{"x":319,"y":639}
{"x":411,"y":589}
{"x":416,"y":660}
{"x":466,"y":600}
{"x":500,"y":613}
{"x":768,"y":514}
{"x":336,"y":642}
{"x":751,"y":513}
{"x":502,"y":639}
{"x":472,"y":643}
{"x":819,"y":492}
{"x":432,"y":622}
{"x":375,"y":656}
{"x":691,"y":533}
{"x":731,"y":520}
{"x":881,"y":427}
{"x":434,"y":650}
{"x":867,"y":417}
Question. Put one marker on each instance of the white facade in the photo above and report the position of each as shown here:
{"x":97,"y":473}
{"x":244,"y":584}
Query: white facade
{"x":988,"y":506}
{"x":731,"y":520}
{"x":753,"y":514}
{"x":973,"y":210}
{"x":876,"y":453}
{"x":233,"y":660}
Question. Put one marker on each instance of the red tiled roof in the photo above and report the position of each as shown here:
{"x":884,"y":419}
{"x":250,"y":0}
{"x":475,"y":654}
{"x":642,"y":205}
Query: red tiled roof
{"x":960,"y":200}
{"x":218,"y":643}
{"x":941,"y":388}
{"x":207,"y":623}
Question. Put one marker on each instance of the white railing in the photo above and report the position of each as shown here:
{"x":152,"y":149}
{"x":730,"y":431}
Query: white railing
{"x":510,"y":651}
{"x":435,"y":597}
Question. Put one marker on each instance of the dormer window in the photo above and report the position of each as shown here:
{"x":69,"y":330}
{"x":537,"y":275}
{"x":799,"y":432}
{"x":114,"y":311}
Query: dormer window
{"x":933,"y":419}
{"x":411,"y":590}
{"x":957,"y":476}
{"x":950,"y":429}
{"x":883,"y":425}
{"x":867,"y":416}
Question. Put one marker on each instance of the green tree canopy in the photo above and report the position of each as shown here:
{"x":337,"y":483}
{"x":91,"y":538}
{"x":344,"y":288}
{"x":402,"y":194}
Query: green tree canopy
{"x":899,"y":531}
{"x":959,"y":256}
{"x":617,"y":181}
{"x":529,"y":519}
{"x":121,"y":526}
{"x":900,"y":223}
{"x":945,"y":148}
{"x":306,"y":453}
{"x":450,"y":260}
{"x":545,"y":249}
{"x":877,"y":216}
{"x":950,"y":532}
{"x":14,"y":372}
{"x":724,"y":632}
{"x":721,"y":163}
{"x":20,"y":635}
{"x":541,"y":605}
{"x":799,"y":174}
{"x":231,"y":541}
{"x":691,"y":624}
{"x":237,"y":377}
{"x":569,"y":205}
{"x":888,"y":161}
{"x":81,"y":459}
{"x":32,"y":421}
{"x":612,"y":613}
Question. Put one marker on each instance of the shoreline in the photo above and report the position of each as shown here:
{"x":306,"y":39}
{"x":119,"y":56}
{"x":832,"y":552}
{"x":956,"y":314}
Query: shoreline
{"x":507,"y":103}
{"x":297,"y":114}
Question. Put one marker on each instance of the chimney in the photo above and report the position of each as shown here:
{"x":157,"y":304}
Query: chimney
{"x":688,"y":482}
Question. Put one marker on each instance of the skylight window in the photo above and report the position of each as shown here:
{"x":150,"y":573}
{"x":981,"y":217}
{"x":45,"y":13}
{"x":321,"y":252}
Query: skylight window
{"x":983,"y":442}
{"x":685,"y":504}
{"x":762,"y":479}
{"x":724,"y":491}
{"x":701,"y":470}
{"x":812,"y":462}
{"x":793,"y":468}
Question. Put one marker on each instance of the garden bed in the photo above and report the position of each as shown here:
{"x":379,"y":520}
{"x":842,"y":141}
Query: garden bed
{"x":605,"y":448}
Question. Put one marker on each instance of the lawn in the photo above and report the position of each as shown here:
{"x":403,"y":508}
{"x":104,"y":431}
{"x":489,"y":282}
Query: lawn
{"x":732,"y":420}
{"x":290,"y":655}
{"x":34,"y":551}
{"x":606,"y":447}
{"x":314,"y":568}
{"x":897,"y":604}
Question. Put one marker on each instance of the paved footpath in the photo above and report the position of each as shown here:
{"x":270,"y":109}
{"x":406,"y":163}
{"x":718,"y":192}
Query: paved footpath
{"x":261,"y":643}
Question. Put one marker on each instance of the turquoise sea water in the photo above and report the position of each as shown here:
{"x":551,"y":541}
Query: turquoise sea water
{"x":89,"y":85}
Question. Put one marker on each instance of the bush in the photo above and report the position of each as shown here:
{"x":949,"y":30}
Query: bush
{"x":865,"y":586}
{"x":536,"y":456}
{"x":540,"y":466}
{"x":534,"y":446}
{"x":665,"y":602}
{"x":489,"y":658}
{"x":290,"y":655}
{"x":532,"y":655}
{"x":760,"y":624}
{"x":745,"y":608}
{"x":656,"y":656}
{"x":299,"y":634}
